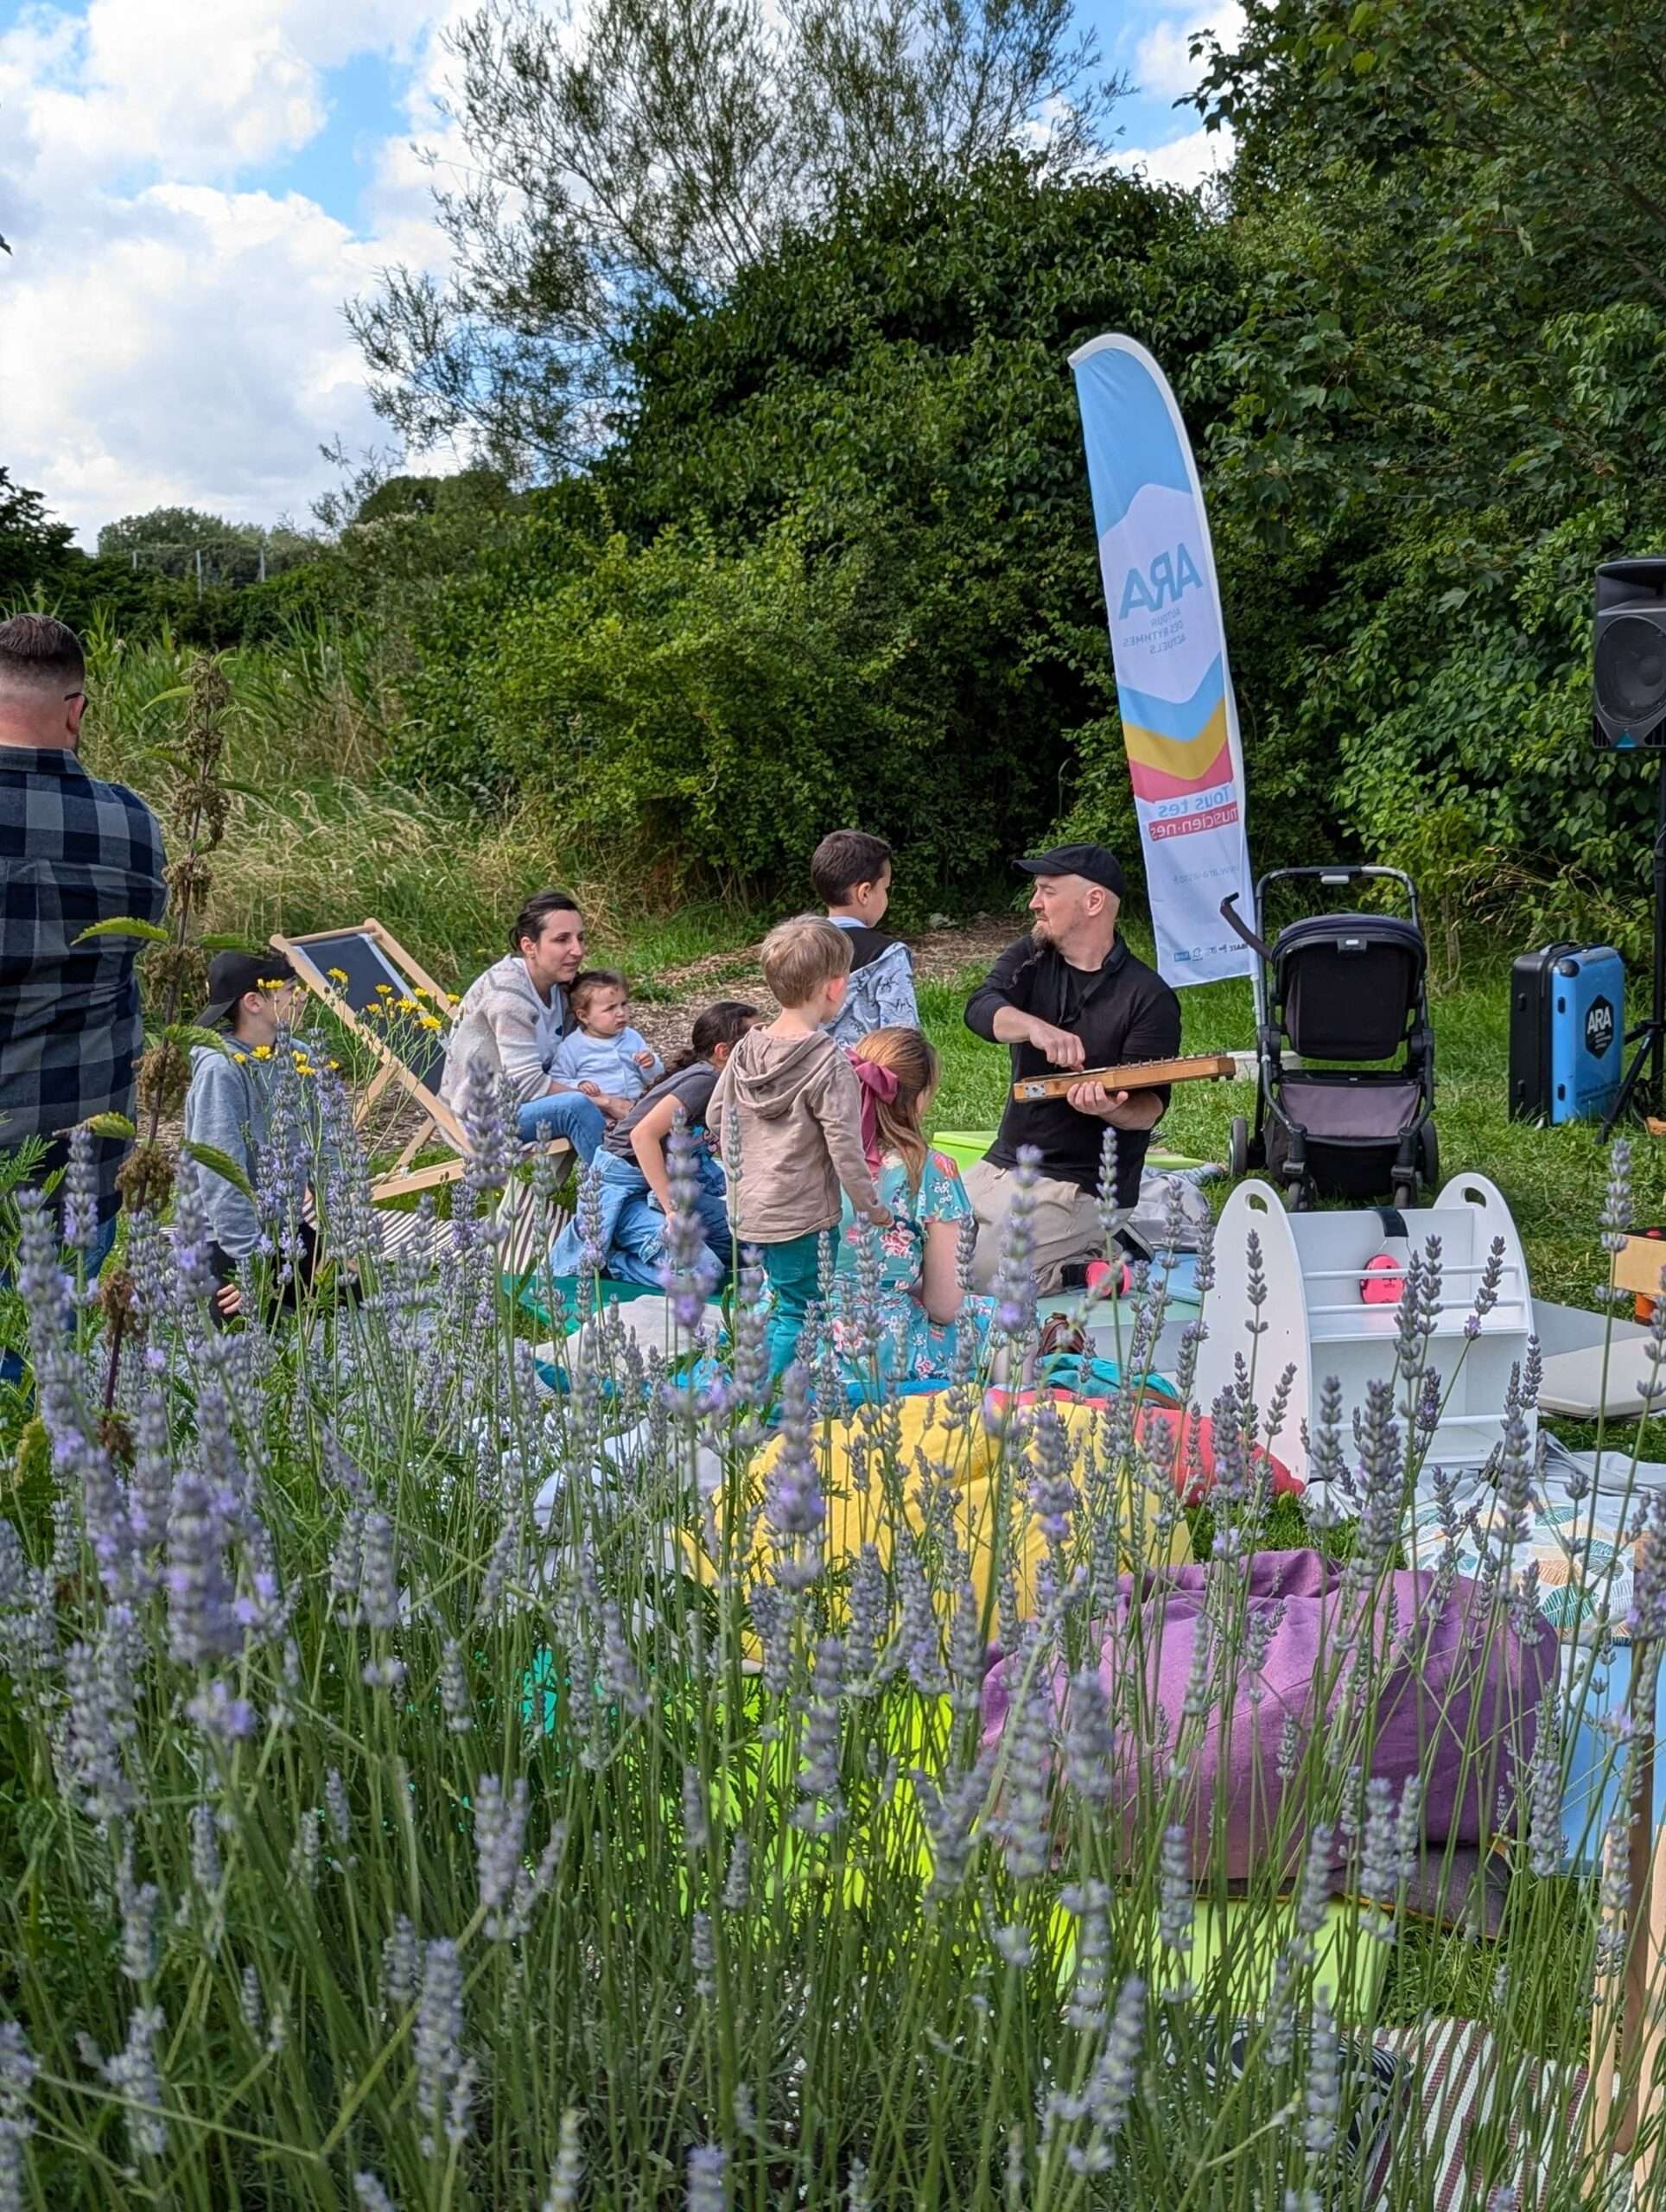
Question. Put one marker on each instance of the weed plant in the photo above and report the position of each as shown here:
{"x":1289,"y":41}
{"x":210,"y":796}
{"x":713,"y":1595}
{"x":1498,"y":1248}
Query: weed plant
{"x":441,"y":1775}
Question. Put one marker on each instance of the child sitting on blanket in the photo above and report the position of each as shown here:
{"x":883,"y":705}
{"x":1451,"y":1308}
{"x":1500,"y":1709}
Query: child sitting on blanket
{"x":604,"y":1057}
{"x":631,"y":1185}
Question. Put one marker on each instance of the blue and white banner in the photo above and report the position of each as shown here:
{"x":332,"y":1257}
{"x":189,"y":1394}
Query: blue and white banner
{"x":1180,"y":719}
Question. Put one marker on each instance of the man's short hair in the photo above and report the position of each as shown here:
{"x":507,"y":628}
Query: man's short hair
{"x":843,"y":860}
{"x":536,"y":913}
{"x":40,"y":654}
{"x":800,"y":955}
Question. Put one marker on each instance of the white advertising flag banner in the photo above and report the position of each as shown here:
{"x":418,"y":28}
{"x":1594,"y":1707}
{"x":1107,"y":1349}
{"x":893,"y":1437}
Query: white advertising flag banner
{"x":1173,"y":686}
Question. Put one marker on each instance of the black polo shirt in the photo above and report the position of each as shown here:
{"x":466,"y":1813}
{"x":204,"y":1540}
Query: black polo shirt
{"x":1122,"y":1011}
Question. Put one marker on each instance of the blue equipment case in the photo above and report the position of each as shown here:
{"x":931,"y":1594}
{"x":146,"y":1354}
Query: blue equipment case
{"x":1566,"y":1032}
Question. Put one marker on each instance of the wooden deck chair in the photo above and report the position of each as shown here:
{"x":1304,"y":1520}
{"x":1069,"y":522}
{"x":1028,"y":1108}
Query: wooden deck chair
{"x":374,"y":963}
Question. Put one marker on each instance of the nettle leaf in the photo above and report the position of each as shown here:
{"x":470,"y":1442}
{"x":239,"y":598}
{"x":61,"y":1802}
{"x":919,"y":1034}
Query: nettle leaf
{"x":124,"y":925}
{"x":109,"y":1125}
{"x":222,"y":1164}
{"x":220,"y":942}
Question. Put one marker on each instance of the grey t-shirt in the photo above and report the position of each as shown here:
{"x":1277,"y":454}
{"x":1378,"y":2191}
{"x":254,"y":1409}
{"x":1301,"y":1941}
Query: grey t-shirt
{"x":693,"y":1087}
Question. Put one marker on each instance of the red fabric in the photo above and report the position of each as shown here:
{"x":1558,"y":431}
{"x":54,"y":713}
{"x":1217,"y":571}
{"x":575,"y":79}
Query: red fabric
{"x":874,"y":1083}
{"x":1284,"y":1482}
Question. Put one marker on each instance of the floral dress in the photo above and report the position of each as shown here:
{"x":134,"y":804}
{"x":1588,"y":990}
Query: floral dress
{"x":911,"y":1347}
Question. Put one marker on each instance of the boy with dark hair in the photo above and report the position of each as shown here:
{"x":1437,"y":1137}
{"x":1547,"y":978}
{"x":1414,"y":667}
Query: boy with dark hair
{"x":851,"y":872}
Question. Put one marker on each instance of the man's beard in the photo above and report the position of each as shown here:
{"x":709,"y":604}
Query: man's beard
{"x":1043,"y":939}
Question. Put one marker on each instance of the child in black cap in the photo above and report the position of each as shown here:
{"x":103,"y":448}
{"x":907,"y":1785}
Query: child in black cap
{"x":228,"y":1106}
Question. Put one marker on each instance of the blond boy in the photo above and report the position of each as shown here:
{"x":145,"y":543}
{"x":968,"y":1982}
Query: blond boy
{"x":795,"y":1104}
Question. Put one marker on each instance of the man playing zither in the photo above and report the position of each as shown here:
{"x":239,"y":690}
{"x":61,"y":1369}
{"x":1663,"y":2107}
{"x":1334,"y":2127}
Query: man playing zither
{"x":1069,"y":995}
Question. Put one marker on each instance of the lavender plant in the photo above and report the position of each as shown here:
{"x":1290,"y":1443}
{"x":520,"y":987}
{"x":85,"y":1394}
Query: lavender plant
{"x":372,"y":1837}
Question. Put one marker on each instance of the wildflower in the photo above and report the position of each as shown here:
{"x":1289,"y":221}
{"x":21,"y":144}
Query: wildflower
{"x":133,"y":2074}
{"x":1175,"y":1906}
{"x":1089,"y":1745}
{"x":697,"y":1827}
{"x":205,"y":1850}
{"x":818,"y":1779}
{"x":794,"y":1506}
{"x":1544,"y":1791}
{"x":437,"y":2037}
{"x":337,"y":1808}
{"x":303,"y":1852}
{"x":402,"y":1965}
{"x":378,"y":1581}
{"x":500,"y":1834}
{"x":737,"y":1880}
{"x":18,"y":2070}
{"x":1014,"y":1278}
{"x":250,"y":2003}
{"x":568,"y":2173}
{"x":371,"y":2194}
{"x":136,"y":1901}
{"x":97,"y":1725}
{"x":708,"y":2189}
{"x":338,"y":976}
{"x":224,"y":1719}
{"x":81,"y":1188}
{"x":1616,"y":1217}
{"x":1322,"y":2098}
{"x":453,"y":1688}
{"x":704,"y":1954}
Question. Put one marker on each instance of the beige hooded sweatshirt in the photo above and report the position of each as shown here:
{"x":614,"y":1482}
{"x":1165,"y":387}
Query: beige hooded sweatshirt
{"x":798,"y":1108}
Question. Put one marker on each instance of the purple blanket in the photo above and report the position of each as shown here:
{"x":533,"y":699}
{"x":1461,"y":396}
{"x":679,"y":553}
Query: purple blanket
{"x":1442,"y":1676}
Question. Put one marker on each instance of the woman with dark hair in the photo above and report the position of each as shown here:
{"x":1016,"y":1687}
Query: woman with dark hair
{"x":629,"y":1173}
{"x":911,"y":1318}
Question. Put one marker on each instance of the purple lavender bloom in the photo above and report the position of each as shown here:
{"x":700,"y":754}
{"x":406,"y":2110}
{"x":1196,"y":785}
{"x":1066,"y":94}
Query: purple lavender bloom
{"x":794,"y":1510}
{"x":191,"y":1235}
{"x":81,"y":1188}
{"x":202,"y":1622}
{"x":438,"y":2035}
{"x":500,"y":1839}
{"x":224,"y":1717}
{"x":708,"y":2188}
{"x":1014,"y":1286}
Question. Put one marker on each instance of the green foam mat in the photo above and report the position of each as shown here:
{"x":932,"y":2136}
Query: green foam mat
{"x":965,"y":1145}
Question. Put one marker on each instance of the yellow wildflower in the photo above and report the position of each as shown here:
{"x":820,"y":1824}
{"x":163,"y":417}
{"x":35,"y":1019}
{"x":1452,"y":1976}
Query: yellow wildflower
{"x":239,"y":1056}
{"x":418,"y":992}
{"x":263,"y":1051}
{"x":428,"y":1020}
{"x":337,"y":975}
{"x":384,"y":990}
{"x":407,"y":1005}
{"x":273,"y":983}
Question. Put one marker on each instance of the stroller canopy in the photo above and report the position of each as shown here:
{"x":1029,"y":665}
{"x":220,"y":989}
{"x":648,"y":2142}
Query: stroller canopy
{"x":1346,"y":984}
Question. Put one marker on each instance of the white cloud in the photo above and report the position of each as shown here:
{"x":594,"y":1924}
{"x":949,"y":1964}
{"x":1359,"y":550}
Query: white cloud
{"x":1163,"y":67}
{"x":1190,"y":160}
{"x":169,"y":332}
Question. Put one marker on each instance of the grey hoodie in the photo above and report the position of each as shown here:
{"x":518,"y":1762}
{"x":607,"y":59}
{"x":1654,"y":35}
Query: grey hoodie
{"x":798,"y":1108}
{"x":228,"y":1105}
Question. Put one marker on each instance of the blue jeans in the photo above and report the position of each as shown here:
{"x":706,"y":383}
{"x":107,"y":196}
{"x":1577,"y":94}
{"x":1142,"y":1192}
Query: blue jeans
{"x":633,"y":1229}
{"x":11,"y":1367}
{"x":567,"y":1114}
{"x":793,"y":1270}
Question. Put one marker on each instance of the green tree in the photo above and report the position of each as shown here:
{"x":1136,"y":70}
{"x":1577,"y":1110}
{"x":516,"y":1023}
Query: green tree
{"x":33,"y":549}
{"x":654,"y":149}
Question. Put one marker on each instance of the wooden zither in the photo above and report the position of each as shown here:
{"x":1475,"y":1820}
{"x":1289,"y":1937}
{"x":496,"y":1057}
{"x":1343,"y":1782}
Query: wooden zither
{"x":1133,"y":1075}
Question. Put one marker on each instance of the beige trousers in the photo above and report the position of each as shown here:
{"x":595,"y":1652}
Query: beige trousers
{"x":1067,"y":1226}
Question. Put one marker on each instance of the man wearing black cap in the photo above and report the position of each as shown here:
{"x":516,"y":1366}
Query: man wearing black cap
{"x":1069,"y":995}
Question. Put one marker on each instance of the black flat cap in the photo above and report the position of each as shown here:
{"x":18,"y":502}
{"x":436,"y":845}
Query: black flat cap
{"x":1096,"y":863}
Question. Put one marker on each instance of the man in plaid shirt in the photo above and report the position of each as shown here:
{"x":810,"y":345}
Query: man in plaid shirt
{"x":72,"y":851}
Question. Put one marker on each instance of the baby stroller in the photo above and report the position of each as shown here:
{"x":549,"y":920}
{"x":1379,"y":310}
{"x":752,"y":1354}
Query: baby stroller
{"x":1342,"y":987}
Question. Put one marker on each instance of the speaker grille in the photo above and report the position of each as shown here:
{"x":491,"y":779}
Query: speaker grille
{"x":1631,"y":667}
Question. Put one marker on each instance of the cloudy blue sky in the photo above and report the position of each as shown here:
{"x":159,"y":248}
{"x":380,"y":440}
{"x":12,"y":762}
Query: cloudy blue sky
{"x":191,"y":188}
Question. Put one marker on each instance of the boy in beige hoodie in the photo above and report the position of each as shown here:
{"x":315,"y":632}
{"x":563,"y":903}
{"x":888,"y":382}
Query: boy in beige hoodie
{"x":797,"y":1110}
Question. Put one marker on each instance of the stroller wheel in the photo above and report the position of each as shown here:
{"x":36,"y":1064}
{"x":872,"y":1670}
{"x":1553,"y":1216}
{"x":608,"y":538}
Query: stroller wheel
{"x":1238,"y":1152}
{"x":1405,"y":1193}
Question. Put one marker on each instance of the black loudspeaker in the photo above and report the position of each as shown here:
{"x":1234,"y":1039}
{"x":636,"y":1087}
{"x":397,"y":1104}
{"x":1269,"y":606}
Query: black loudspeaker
{"x":1629,"y":656}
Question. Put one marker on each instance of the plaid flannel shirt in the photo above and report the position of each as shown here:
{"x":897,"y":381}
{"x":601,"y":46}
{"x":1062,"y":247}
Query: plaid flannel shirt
{"x":72,"y":851}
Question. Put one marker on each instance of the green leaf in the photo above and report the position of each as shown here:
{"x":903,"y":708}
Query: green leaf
{"x":124,"y":925}
{"x":220,"y":942}
{"x":109,"y":1125}
{"x":222,"y":1164}
{"x":185,"y":1034}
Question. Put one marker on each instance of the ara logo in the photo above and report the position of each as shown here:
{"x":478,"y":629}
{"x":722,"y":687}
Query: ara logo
{"x":1160,"y":585}
{"x":1599,"y":1027}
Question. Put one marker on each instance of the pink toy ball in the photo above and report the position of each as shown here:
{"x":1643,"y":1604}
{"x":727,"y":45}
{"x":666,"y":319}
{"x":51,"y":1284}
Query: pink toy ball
{"x":1383,"y":1282}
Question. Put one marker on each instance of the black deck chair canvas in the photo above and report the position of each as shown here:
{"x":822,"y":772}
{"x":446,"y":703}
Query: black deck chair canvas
{"x":351,"y":970}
